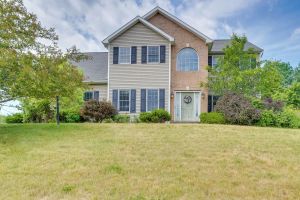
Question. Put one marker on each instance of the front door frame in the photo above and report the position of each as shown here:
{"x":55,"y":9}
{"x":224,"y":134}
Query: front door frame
{"x":186,"y":91}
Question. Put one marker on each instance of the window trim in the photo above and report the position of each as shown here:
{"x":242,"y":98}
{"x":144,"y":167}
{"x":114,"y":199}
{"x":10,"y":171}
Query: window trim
{"x":157,"y":89}
{"x":90,"y":91}
{"x":129,"y":55}
{"x":158,"y":54}
{"x":129,"y":107}
{"x":198,"y":66}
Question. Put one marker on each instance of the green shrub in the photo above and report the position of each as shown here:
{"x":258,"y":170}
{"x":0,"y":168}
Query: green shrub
{"x":155,"y":116}
{"x":15,"y":118}
{"x":285,"y":119}
{"x":121,"y":118}
{"x":212,"y":118}
{"x":145,"y":117}
{"x":38,"y":110}
{"x":98,"y":111}
{"x":160,"y":116}
{"x":73,"y":117}
{"x":70,"y":116}
{"x":267,"y":118}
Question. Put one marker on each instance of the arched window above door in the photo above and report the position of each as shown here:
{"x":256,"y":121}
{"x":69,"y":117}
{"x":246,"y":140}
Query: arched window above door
{"x":187,"y":60}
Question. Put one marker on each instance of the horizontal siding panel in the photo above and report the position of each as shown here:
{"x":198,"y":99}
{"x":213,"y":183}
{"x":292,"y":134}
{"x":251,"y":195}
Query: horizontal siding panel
{"x":102,"y":91}
{"x":138,"y":76}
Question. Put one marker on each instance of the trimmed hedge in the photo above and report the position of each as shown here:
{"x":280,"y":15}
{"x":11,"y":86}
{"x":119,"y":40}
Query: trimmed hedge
{"x":212,"y":118}
{"x":155,"y":116}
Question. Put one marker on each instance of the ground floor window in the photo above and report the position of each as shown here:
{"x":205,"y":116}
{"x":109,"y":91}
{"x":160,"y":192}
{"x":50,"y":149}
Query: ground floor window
{"x":152,"y":99}
{"x":88,"y":95}
{"x":212,"y":101}
{"x":124,"y":100}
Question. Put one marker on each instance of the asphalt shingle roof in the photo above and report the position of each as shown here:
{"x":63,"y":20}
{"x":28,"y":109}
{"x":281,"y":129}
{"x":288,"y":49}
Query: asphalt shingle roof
{"x":219,"y":45}
{"x":95,"y":67}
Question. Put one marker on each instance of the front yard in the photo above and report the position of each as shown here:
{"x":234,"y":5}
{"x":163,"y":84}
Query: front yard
{"x":148,"y":161}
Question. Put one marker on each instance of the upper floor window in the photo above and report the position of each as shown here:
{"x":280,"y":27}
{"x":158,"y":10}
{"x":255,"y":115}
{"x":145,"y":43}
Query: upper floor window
{"x":153,"y":54}
{"x":124,"y":55}
{"x":213,"y":60}
{"x":187,"y":60}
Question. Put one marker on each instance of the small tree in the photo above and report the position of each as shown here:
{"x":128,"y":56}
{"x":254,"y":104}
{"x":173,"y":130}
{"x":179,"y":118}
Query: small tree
{"x":238,"y":71}
{"x":31,"y":64}
{"x":97,"y":111}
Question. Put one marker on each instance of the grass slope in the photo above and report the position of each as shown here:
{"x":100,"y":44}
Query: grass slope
{"x":148,"y":161}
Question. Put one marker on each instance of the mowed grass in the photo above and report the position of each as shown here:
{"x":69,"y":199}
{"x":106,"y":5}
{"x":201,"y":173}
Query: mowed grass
{"x":148,"y":161}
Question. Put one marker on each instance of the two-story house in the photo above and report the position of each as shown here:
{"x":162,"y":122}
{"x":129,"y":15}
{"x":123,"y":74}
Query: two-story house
{"x":155,"y":61}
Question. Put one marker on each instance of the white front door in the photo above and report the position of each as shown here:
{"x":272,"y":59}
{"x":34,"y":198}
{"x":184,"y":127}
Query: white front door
{"x":187,"y":106}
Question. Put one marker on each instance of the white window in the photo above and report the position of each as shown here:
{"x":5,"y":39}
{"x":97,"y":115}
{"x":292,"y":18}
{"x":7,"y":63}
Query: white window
{"x":153,"y":54}
{"x":124,"y":55}
{"x":152,"y":99}
{"x":124,"y":100}
{"x":187,"y":60}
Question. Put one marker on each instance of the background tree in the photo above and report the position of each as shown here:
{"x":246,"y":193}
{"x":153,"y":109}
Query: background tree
{"x":285,"y":69}
{"x":31,"y":64}
{"x":297,"y":74}
{"x":239,"y":72}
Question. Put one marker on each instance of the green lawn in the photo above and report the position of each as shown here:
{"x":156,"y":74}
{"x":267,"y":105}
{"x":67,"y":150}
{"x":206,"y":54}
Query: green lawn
{"x":148,"y":161}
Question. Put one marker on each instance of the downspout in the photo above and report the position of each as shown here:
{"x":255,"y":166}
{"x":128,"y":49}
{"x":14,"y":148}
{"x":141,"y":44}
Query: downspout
{"x":108,"y":55}
{"x":170,"y":56}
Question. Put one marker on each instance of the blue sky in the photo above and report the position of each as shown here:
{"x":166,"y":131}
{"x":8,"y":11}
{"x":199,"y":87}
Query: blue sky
{"x":274,"y":25}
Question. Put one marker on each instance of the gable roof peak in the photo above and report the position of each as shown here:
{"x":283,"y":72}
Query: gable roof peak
{"x":178,"y":21}
{"x":131,"y":23}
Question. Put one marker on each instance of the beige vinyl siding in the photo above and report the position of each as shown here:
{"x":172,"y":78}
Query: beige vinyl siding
{"x":139,"y":76}
{"x":102,"y":91}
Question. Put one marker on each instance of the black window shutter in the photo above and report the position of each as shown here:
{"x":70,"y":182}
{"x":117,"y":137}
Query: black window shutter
{"x":96,"y":95}
{"x":115,"y":55}
{"x":133,"y":55}
{"x":209,"y":60}
{"x":161,"y":98}
{"x":162,"y":54}
{"x":210,"y":102}
{"x":144,"y":54}
{"x":115,"y":99}
{"x":143,"y":100}
{"x":133,"y":101}
{"x":85,"y":96}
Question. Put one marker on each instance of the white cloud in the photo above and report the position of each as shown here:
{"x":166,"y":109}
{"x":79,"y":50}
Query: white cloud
{"x":86,"y":23}
{"x":296,"y":33}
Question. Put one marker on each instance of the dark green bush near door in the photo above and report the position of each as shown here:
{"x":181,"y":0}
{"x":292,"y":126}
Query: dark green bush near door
{"x":155,"y":116}
{"x":212,"y":118}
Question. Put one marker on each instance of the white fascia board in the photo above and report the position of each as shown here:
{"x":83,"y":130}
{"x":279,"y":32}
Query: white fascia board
{"x":132,"y":23}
